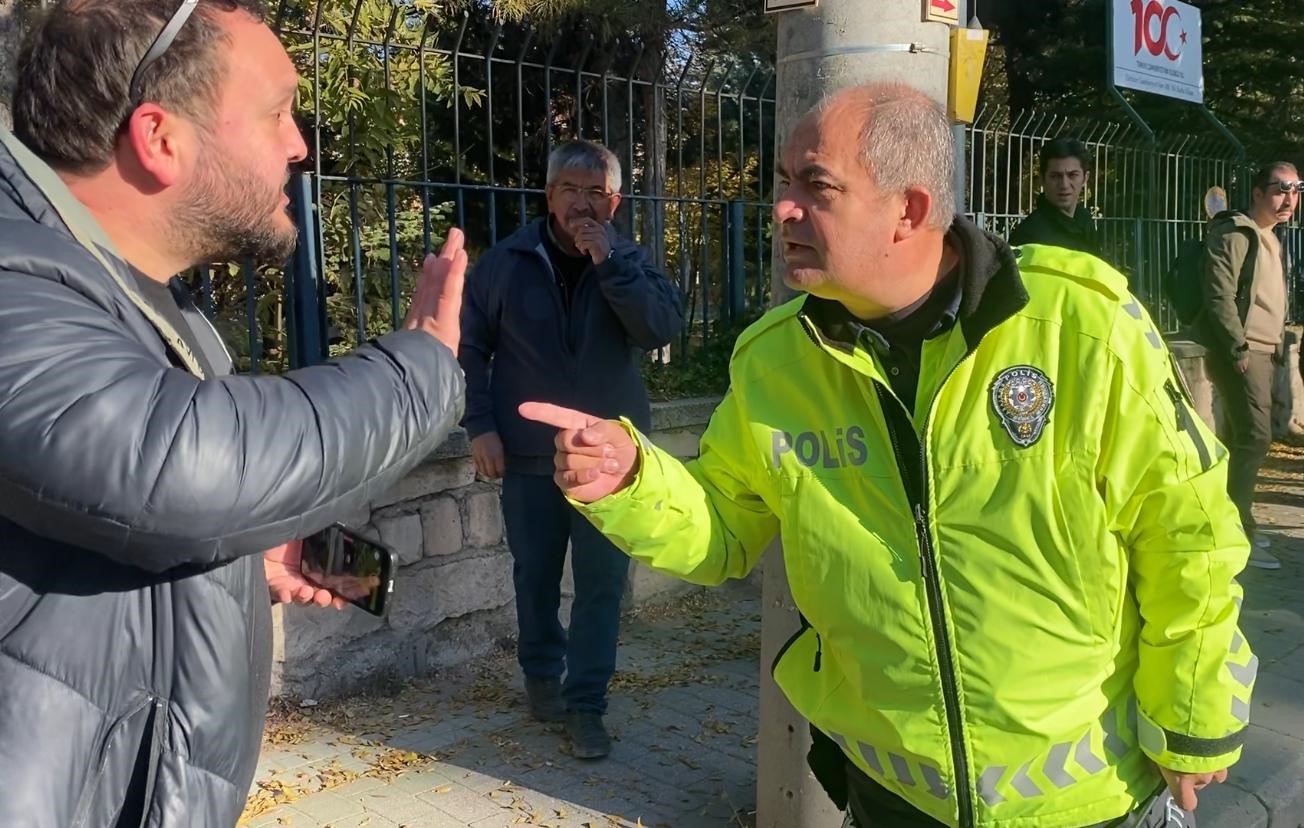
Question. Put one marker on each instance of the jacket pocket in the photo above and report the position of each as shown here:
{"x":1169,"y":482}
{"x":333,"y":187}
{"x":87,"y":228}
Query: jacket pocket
{"x":787,"y":645}
{"x":115,"y":764}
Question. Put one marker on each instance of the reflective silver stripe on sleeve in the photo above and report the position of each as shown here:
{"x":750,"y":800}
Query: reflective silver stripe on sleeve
{"x":987,"y":783}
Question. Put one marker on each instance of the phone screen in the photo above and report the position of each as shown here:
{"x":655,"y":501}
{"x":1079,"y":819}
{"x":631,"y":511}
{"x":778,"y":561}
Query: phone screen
{"x":356,"y":569}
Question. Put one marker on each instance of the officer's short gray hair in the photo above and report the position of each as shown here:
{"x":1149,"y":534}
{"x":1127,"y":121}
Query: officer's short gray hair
{"x":906,"y":141}
{"x":587,"y":156}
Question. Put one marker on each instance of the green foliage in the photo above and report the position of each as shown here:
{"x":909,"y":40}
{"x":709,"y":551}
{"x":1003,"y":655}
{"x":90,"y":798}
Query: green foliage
{"x":374,"y":244}
{"x":704,"y":371}
{"x":376,"y":97}
{"x":696,"y":227}
{"x":363,"y":102}
{"x":1053,"y":55}
{"x":230,"y":289}
{"x":725,"y":27}
{"x":368,"y":101}
{"x":371,"y":96}
{"x":538,"y":10}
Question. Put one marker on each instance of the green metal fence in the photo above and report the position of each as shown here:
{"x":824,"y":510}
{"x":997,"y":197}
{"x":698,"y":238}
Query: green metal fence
{"x":417,"y":122}
{"x":1145,"y":199}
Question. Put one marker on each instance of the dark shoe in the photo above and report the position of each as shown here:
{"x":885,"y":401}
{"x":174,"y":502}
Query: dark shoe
{"x":544,"y":695}
{"x":589,"y":739}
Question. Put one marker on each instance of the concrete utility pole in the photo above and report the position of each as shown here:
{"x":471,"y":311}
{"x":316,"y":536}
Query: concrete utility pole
{"x":959,"y":131}
{"x":837,"y":44}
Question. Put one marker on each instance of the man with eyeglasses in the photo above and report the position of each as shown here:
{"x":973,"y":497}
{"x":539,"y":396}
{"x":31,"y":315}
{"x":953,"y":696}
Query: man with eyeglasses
{"x":1242,"y":325}
{"x":564,"y":310}
{"x":141,"y":484}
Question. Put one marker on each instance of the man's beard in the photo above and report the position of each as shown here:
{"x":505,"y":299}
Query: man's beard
{"x":230,"y":215}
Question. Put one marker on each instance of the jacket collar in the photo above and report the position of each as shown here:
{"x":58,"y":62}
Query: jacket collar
{"x":991,"y":291}
{"x":1237,"y":218}
{"x":1079,"y":224}
{"x":529,"y":238}
{"x":71,"y":216}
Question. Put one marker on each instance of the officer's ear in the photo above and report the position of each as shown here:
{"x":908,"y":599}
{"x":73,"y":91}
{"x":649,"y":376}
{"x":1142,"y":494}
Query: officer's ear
{"x":916,"y":205}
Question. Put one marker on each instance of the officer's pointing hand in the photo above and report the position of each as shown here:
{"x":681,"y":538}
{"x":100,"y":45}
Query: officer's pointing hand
{"x":595,"y":457}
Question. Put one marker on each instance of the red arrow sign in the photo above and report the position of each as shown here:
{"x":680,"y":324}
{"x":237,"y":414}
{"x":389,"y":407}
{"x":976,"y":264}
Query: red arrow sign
{"x":943,"y":5}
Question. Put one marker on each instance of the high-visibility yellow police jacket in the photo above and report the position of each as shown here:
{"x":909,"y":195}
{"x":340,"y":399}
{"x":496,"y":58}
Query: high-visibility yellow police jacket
{"x":1016,"y":599}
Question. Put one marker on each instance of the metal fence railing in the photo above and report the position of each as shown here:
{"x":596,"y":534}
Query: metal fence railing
{"x":1146,"y":199}
{"x":417,"y":122}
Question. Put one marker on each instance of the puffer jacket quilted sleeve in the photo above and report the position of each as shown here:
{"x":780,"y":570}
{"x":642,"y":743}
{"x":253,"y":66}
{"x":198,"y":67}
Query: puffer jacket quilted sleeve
{"x":106,"y":449}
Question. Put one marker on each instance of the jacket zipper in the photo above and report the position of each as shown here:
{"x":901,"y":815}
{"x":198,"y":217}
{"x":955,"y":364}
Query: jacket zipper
{"x":564,"y":312}
{"x":918,"y":497}
{"x":933,"y":587}
{"x":1186,"y":423}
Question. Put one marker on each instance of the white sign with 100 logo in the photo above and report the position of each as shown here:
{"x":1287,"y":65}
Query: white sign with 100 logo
{"x":1157,"y":48}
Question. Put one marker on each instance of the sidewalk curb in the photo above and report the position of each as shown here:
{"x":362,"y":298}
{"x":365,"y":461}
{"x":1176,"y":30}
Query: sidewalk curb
{"x":1266,"y":788}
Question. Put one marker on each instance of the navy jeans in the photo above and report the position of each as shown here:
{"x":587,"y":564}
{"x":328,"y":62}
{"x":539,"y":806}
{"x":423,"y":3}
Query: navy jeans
{"x":539,"y":522}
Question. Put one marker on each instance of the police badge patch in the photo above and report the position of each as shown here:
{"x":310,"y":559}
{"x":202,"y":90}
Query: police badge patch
{"x":1022,"y":397}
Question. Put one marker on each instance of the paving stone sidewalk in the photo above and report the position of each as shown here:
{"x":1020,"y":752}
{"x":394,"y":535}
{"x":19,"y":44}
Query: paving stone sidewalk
{"x":459,"y":751}
{"x":1266,"y":788}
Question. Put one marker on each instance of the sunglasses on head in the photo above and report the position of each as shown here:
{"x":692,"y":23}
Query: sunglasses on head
{"x":1279,"y":187}
{"x":159,"y":46}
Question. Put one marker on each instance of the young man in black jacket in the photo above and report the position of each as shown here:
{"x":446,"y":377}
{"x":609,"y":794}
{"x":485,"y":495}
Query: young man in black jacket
{"x":1060,"y":218}
{"x":564,"y":310}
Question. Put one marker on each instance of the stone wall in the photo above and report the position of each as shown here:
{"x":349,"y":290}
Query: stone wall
{"x":453,"y":596}
{"x":1287,"y":392}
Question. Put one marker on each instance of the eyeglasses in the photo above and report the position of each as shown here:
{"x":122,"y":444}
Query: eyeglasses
{"x":594,"y":195}
{"x":159,"y":46}
{"x":1278,"y":187}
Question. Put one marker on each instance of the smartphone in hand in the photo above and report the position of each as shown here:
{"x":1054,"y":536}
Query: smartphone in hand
{"x":355,"y":567}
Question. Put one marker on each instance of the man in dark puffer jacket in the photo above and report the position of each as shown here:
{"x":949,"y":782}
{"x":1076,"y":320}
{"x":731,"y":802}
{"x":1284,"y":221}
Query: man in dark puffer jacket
{"x":140,"y":484}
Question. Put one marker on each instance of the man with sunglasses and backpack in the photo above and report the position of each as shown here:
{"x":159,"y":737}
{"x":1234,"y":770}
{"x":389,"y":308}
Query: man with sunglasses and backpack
{"x":1241,"y":323}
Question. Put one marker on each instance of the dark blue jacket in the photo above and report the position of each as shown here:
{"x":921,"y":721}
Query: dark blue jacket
{"x":588,"y":359}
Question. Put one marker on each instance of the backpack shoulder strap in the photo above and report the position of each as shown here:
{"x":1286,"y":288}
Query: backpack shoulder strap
{"x":1251,"y":255}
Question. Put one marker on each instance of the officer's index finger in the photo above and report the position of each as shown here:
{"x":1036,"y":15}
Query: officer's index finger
{"x":555,"y":415}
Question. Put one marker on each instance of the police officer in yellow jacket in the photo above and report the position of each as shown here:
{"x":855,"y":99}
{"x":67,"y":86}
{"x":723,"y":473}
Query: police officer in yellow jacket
{"x":1005,"y":528}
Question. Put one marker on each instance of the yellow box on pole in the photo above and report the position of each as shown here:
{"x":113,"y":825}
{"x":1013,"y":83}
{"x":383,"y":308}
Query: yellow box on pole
{"x":968,"y":54}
